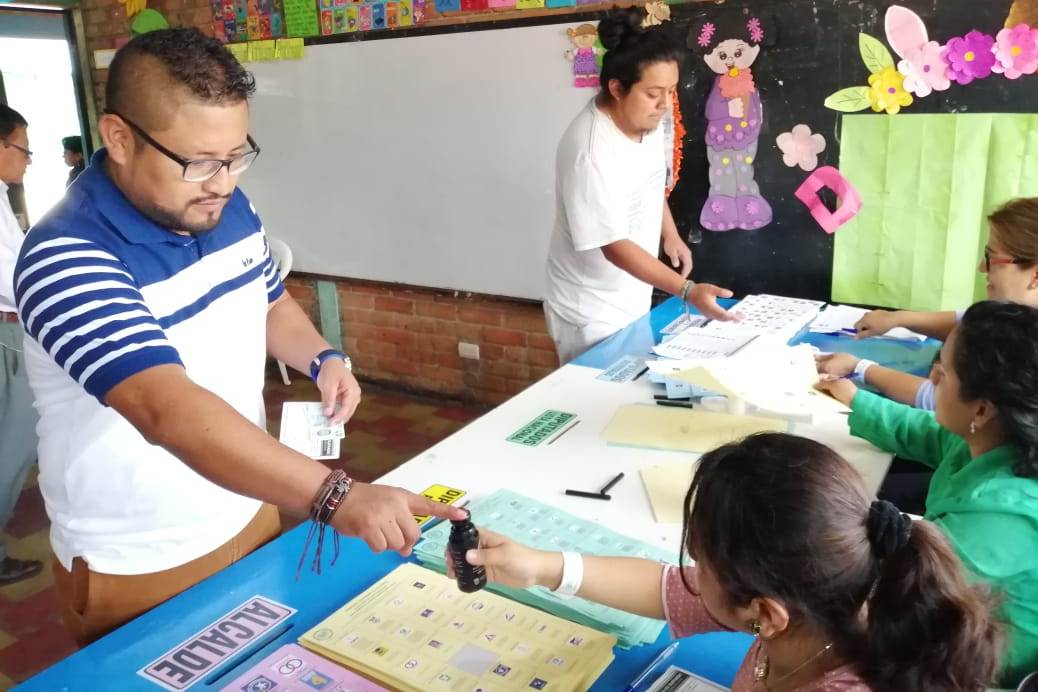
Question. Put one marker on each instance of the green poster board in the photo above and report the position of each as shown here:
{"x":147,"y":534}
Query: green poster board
{"x":927,"y":184}
{"x":301,"y":18}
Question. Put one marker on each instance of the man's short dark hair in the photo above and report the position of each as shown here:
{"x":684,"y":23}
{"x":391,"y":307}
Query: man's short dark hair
{"x":9,"y":120}
{"x":73,"y":143}
{"x":149,"y":65}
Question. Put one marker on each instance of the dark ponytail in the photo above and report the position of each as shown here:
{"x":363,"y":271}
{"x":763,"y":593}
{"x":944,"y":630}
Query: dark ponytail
{"x":996,"y":359}
{"x":787,"y":518}
{"x":926,"y":629}
{"x":630,"y":47}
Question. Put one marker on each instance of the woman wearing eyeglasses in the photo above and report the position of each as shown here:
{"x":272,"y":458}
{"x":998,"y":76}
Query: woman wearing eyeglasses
{"x":1010,"y":262}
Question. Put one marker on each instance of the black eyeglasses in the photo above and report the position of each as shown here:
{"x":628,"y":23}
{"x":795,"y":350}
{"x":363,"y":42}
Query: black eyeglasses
{"x":199,"y":170}
{"x":28,"y":154}
{"x":989,"y":260}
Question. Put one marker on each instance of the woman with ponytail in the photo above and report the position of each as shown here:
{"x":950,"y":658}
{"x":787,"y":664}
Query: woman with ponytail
{"x":983,"y":446}
{"x":839,"y":592}
{"x":611,"y":169}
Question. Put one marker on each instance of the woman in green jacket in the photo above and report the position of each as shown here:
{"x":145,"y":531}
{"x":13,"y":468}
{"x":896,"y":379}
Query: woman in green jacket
{"x":983,"y":446}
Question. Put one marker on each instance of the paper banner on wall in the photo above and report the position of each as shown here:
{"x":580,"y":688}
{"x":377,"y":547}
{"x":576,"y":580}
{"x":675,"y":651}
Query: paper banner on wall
{"x":301,"y":18}
{"x":289,"y":49}
{"x":240,"y":51}
{"x":260,"y":51}
{"x":928,"y":182}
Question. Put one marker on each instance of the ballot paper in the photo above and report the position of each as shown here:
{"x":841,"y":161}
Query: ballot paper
{"x":305,"y":429}
{"x":774,"y":379}
{"x":779,"y":316}
{"x":840,"y":319}
{"x":683,"y":322}
{"x":695,"y":343}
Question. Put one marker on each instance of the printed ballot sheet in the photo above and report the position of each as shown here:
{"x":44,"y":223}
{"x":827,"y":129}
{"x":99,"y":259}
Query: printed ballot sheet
{"x":415,"y":631}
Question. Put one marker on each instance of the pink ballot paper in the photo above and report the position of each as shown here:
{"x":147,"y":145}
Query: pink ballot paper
{"x":294,"y":669}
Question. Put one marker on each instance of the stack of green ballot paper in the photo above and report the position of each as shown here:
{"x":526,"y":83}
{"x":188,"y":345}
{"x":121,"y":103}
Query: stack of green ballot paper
{"x":414,"y":631}
{"x":544,"y":527}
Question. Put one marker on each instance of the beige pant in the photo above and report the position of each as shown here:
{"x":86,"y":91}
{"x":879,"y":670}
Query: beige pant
{"x":572,"y":340}
{"x":93,"y":604}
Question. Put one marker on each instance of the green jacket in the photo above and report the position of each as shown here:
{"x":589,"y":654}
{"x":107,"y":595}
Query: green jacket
{"x":990,"y":514}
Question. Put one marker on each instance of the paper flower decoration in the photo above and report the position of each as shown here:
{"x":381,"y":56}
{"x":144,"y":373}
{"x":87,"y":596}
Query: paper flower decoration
{"x":801,"y":148}
{"x":1016,"y":51}
{"x":887,"y":91}
{"x":969,"y":57}
{"x":924,"y":70}
{"x":921,"y":61}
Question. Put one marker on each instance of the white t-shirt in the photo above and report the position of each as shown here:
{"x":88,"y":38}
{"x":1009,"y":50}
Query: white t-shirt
{"x":607,"y":188}
{"x":11,"y":238}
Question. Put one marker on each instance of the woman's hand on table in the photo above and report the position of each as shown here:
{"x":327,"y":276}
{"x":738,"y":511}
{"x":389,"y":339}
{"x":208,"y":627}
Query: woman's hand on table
{"x":836,"y":364}
{"x":841,"y":389}
{"x":876,"y":323}
{"x":704,"y":298}
{"x":512,"y":564}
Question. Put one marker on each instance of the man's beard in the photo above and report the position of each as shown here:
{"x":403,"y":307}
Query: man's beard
{"x":176,"y":222}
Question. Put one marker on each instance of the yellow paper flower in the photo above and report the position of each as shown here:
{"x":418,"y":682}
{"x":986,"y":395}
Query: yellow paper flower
{"x":887,"y":91}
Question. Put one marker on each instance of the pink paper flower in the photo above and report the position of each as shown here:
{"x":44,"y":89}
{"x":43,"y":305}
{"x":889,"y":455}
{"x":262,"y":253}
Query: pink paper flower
{"x":1016,"y":51}
{"x":924,"y":70}
{"x":706,"y":33}
{"x":801,"y":148}
{"x":970,"y":57}
{"x":756,"y":31}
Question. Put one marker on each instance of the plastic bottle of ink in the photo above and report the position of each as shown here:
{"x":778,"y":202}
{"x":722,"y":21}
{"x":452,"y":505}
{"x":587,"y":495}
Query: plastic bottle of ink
{"x":464,"y":537}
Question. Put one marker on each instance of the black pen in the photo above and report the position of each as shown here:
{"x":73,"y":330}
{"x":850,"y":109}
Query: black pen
{"x":590,"y":496}
{"x":675,"y":403}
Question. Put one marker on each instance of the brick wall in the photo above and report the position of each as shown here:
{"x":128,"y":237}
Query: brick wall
{"x":408,"y":338}
{"x":104,"y":21}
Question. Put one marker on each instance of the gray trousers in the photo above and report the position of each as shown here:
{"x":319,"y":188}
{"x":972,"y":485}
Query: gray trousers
{"x":17,"y":422}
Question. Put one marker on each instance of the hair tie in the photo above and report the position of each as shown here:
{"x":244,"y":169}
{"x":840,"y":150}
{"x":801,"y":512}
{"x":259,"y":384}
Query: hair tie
{"x":887,"y":528}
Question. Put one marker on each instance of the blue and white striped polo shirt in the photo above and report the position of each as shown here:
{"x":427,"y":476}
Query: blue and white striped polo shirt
{"x":105,"y":293}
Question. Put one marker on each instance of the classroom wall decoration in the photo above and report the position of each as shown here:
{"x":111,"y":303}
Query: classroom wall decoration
{"x":926,"y":66}
{"x":917,"y":240}
{"x":817,"y":53}
{"x":729,"y":44}
{"x":584,"y":55}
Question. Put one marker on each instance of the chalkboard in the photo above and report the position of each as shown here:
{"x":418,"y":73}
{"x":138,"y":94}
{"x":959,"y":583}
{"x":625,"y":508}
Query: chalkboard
{"x":815,"y":54}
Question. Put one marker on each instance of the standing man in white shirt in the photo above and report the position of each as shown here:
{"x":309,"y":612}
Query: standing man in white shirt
{"x":611,"y":210}
{"x":17,"y":417}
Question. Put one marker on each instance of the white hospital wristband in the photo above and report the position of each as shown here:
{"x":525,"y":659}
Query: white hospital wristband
{"x":572,"y":575}
{"x":858,"y":376}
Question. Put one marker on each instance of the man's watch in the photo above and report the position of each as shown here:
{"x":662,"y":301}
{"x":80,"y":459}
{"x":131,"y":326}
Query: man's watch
{"x":318,"y":361}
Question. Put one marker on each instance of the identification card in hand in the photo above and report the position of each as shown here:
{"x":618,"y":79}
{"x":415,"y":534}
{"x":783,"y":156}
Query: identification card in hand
{"x":299,"y":431}
{"x":320,"y":428}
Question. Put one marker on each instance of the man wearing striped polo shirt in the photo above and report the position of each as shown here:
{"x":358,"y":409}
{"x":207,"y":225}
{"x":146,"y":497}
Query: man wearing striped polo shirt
{"x":152,"y":303}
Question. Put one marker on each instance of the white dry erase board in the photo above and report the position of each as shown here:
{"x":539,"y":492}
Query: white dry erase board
{"x":427,"y":160}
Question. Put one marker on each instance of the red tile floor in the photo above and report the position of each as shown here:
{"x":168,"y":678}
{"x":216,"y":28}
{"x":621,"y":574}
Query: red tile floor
{"x":388,"y":429}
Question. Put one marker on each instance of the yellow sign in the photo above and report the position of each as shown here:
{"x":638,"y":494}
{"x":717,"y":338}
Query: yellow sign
{"x":442,"y":494}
